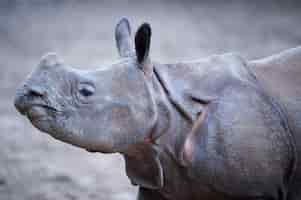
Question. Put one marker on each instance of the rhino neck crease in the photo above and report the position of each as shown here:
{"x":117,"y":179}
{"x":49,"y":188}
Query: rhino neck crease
{"x":173,"y":123}
{"x":146,"y":162}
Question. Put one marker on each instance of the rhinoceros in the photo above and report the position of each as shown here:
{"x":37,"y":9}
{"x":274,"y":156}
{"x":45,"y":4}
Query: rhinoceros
{"x":217,"y":128}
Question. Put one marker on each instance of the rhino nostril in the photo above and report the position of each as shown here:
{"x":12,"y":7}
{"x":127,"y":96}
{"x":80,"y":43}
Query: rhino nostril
{"x":26,"y":96}
{"x":34,"y":93}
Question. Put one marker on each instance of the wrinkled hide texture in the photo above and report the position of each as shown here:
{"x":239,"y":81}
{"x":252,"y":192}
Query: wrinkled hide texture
{"x":236,"y":130}
{"x":144,"y":168}
{"x":190,"y":86}
{"x":218,"y":128}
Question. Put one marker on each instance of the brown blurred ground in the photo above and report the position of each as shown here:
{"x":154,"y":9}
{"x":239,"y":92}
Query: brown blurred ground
{"x":35,"y":166}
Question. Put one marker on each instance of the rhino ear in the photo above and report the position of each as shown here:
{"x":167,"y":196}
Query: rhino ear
{"x":123,"y":38}
{"x":142,"y":43}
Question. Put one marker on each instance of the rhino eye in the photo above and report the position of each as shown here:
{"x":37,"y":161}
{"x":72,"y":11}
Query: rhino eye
{"x":86,"y":90}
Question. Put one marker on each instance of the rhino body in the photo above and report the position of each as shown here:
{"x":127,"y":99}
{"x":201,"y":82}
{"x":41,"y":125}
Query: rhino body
{"x":218,"y":128}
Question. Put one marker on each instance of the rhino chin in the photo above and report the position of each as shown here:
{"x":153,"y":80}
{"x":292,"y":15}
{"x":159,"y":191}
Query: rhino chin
{"x":41,"y":123}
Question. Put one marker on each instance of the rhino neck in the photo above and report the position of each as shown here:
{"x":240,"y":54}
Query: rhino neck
{"x":173,"y":124}
{"x":186,"y":89}
{"x":147,"y":162}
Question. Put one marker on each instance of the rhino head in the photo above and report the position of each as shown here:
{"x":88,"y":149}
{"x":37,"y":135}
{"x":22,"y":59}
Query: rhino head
{"x":105,"y":110}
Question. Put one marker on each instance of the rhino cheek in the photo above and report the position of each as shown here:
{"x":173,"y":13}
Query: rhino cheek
{"x":112,"y":128}
{"x":82,"y":130}
{"x":116,"y":128}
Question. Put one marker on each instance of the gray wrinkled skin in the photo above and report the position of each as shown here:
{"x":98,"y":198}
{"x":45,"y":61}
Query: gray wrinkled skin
{"x":218,"y":128}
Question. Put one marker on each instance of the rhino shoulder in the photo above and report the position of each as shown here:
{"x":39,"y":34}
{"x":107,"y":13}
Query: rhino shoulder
{"x":192,"y":85}
{"x":241,"y":138}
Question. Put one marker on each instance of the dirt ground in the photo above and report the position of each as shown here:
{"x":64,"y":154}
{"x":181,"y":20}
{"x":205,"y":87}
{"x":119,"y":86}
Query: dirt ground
{"x":34,"y":166}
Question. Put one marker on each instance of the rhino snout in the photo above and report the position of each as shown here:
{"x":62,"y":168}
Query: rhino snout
{"x":25,"y":97}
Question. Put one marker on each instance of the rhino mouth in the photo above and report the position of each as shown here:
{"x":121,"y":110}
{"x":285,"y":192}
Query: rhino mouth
{"x":40,"y":112}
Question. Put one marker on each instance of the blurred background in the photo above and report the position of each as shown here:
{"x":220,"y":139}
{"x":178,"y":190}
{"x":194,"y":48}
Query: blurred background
{"x":34,"y":166}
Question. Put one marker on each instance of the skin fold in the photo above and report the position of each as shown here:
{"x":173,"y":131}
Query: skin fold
{"x":217,"y":128}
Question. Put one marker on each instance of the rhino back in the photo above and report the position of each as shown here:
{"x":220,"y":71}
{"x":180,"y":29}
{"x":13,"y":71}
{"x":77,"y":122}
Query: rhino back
{"x":280,"y":76}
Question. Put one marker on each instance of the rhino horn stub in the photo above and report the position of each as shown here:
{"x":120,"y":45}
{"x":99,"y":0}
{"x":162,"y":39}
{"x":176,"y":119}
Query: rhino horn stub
{"x":123,"y":38}
{"x":50,"y":59}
